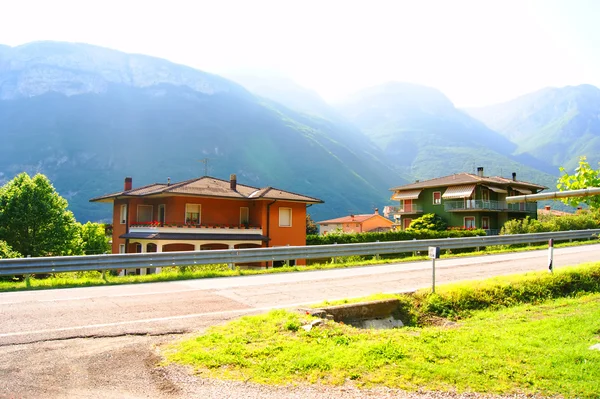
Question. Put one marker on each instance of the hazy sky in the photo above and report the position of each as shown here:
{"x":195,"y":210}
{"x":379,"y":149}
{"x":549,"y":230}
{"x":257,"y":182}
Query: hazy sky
{"x":477,"y":52}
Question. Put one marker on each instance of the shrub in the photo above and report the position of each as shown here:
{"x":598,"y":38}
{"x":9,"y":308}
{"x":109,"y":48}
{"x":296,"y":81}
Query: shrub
{"x":7,"y":252}
{"x":459,"y":300}
{"x":429,"y":221}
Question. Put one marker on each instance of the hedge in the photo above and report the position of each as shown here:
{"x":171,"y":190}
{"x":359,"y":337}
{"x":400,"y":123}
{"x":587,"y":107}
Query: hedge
{"x":403,"y":235}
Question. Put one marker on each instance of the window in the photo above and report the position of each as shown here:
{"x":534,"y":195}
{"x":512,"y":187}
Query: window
{"x":144,"y":213}
{"x":437,"y":197}
{"x":485,"y":194}
{"x":161,"y":214}
{"x":244,"y":216}
{"x":123,"y":214}
{"x":192,"y":213}
{"x":485,"y":223}
{"x":406,"y":223}
{"x":121,"y":248}
{"x":469,"y":222}
{"x":285,"y":217}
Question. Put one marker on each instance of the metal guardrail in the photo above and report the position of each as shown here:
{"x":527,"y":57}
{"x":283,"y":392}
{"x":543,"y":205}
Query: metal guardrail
{"x":162,"y":259}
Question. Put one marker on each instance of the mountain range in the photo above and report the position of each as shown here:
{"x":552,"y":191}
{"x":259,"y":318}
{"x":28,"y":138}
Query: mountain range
{"x":87,"y":117}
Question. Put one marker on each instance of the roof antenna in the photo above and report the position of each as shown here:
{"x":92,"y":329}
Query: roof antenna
{"x":205,"y":162}
{"x":168,"y":181}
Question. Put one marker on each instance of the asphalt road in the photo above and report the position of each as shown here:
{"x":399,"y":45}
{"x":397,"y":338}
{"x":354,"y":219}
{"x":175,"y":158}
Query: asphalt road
{"x":184,"y":306}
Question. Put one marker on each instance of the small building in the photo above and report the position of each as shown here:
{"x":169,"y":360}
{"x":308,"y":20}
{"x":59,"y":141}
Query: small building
{"x":205,"y":213}
{"x":465,"y":200}
{"x":372,"y":222}
{"x":548,"y":211}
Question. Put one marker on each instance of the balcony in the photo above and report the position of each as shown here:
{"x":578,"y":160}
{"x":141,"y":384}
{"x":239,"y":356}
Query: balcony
{"x":495,"y":206}
{"x":154,"y":227}
{"x":407,"y":209}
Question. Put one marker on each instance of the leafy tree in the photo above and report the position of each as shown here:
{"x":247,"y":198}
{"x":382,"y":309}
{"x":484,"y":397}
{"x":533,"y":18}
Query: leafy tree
{"x":311,"y":226}
{"x":583,"y":177}
{"x":429,"y":221}
{"x":7,"y":252}
{"x":94,"y":240}
{"x":34,"y":219}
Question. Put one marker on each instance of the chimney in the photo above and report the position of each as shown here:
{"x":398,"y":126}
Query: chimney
{"x":233,"y":182}
{"x":547,"y":207}
{"x":377,"y":211}
{"x":480,"y":171}
{"x":128,"y":183}
{"x":514,"y":176}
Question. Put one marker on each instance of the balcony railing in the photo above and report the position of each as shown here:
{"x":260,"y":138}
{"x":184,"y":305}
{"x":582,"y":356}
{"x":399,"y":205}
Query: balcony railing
{"x":155,"y":227}
{"x":405,"y":210}
{"x":467,"y":205}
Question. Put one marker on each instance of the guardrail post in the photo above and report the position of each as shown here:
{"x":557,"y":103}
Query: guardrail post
{"x":377,"y":255}
{"x":550,"y":254}
{"x":335,"y":257}
{"x":27,"y":281}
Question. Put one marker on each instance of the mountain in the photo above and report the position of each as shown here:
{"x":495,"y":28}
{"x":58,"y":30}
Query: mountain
{"x":553,"y":125}
{"x":88,"y":116}
{"x":287,"y":92}
{"x":424,"y":135}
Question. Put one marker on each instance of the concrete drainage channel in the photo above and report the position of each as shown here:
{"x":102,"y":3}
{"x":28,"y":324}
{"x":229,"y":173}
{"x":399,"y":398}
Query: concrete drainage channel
{"x":382,"y":314}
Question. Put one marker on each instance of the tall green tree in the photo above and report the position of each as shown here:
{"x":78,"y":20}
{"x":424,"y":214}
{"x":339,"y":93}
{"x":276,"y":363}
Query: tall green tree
{"x":34,"y":219}
{"x":311,"y":226}
{"x":94,"y":240}
{"x":584,"y":177}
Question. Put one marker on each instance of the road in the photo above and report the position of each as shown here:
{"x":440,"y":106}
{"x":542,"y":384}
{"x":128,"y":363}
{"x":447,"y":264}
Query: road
{"x":182,"y":306}
{"x":102,"y":341}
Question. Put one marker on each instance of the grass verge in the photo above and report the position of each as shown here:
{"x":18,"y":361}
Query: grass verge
{"x":537,"y":346}
{"x":94,"y":278}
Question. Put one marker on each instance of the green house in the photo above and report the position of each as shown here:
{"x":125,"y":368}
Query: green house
{"x":465,"y":200}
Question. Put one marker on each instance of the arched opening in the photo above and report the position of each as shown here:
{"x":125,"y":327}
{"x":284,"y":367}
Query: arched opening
{"x":151,"y":247}
{"x":178,"y":247}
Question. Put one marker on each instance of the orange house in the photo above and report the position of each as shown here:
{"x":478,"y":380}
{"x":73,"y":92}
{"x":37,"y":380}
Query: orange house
{"x":372,"y":222}
{"x":205,"y":213}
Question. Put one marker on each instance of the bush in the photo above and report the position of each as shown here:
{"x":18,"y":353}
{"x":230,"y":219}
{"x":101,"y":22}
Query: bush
{"x":429,"y":221}
{"x":405,"y":235}
{"x":457,"y":301}
{"x":580,"y":221}
{"x":6,"y":252}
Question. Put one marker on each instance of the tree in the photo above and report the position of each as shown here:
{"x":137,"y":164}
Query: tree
{"x":429,"y":221}
{"x":34,"y":219}
{"x":7,"y":252}
{"x":311,"y":226}
{"x":94,"y":240}
{"x":583,"y":177}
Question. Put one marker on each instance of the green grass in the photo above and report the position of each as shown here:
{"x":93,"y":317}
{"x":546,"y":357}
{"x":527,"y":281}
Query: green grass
{"x":540,"y":348}
{"x":94,"y":278}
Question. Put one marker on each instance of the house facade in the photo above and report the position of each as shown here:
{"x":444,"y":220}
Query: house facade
{"x":356,"y":224}
{"x":464,"y":200}
{"x":205,"y":213}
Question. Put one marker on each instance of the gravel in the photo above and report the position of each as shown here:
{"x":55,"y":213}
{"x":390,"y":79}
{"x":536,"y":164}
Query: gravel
{"x":129,"y":367}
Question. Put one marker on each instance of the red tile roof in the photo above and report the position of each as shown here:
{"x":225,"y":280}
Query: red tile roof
{"x":350,"y":219}
{"x":467,"y":178}
{"x":207,"y":186}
